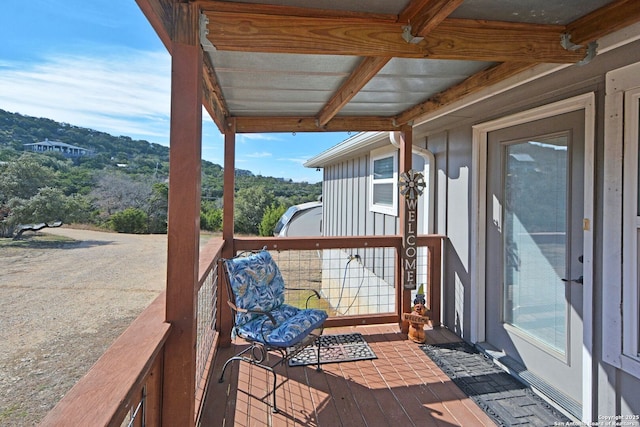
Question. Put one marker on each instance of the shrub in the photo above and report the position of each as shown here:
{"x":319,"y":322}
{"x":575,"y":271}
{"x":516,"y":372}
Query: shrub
{"x":210,"y":218}
{"x":271,"y":216}
{"x":130,"y":220}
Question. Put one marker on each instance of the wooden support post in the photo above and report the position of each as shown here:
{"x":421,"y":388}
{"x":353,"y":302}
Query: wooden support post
{"x":225,"y":321}
{"x":178,"y":407}
{"x":408,"y":254}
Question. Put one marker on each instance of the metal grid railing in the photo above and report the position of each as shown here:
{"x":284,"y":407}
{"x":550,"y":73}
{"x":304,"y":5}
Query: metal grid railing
{"x":206,"y":318}
{"x":352,"y":281}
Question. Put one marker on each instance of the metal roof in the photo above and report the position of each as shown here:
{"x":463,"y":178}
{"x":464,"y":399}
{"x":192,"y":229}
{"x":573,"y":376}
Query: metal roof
{"x":372,"y":65}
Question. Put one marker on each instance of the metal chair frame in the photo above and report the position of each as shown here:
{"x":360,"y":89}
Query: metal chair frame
{"x":257,"y":352}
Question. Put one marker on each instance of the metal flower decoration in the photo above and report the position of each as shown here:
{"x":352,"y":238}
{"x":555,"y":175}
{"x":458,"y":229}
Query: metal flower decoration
{"x":411,"y":184}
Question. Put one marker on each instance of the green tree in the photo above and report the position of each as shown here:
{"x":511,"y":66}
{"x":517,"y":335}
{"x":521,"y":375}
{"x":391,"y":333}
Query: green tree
{"x":250,"y":205}
{"x":270,"y":218}
{"x":210,"y":217}
{"x":130,"y":220}
{"x":23,"y":178}
{"x":156,"y":208}
{"x":48,"y":205}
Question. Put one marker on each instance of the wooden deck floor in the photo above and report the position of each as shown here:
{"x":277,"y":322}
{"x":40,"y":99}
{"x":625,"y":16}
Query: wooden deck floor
{"x":402,"y":387}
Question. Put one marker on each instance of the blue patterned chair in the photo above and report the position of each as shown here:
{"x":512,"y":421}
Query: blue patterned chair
{"x":262,"y":318}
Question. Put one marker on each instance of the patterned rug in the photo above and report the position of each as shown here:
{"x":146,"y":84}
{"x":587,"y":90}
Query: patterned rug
{"x":505,"y":399}
{"x":334,"y":349}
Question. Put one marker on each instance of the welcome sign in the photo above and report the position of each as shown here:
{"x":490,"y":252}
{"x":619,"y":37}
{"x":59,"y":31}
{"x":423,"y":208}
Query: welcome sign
{"x":411,"y":187}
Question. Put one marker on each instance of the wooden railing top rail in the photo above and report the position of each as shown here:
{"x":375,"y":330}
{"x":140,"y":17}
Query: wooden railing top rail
{"x":105,"y":394}
{"x":328,"y":242}
{"x":208,"y":255}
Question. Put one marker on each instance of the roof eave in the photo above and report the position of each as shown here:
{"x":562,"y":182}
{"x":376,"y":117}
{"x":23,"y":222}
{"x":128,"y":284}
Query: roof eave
{"x":358,"y":142}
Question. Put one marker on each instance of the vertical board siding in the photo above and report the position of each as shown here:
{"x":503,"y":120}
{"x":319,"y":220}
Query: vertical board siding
{"x":351,"y":192}
{"x":347,"y":213}
{"x":363,"y":200}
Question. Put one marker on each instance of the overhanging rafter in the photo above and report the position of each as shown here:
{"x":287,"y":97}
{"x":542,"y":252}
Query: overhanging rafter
{"x":246,"y":29}
{"x":365,"y":71}
{"x":213,"y":99}
{"x":378,"y":37}
{"x":310,"y":124}
{"x":586,"y":29}
{"x":605,"y":20}
{"x":426,"y":14}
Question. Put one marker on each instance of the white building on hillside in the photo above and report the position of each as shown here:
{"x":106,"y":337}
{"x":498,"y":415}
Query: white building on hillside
{"x":65,"y":149}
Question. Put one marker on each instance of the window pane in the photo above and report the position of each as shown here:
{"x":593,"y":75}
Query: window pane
{"x":535,"y":238}
{"x":383,"y":194}
{"x":383,"y":168}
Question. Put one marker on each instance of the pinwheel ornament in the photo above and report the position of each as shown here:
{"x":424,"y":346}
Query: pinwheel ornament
{"x":411,"y":184}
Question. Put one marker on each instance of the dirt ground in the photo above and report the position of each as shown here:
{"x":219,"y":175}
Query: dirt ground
{"x":63,"y":302}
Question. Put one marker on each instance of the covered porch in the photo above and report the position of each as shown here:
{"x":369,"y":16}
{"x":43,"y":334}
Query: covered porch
{"x":358,"y":66}
{"x":401,"y":387}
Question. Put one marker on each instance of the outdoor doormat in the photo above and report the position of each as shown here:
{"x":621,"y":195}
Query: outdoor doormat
{"x":334,"y":349}
{"x":505,"y":399}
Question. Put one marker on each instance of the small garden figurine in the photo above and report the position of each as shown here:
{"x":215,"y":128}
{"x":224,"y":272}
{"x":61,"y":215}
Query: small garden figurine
{"x":417,"y":318}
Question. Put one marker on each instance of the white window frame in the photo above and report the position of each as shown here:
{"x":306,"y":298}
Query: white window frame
{"x":379,"y":154}
{"x":631,"y":227}
{"x":621,"y":222}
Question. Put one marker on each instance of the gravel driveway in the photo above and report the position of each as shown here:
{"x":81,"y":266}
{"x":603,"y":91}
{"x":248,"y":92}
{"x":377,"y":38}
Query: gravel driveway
{"x":62,"y":305}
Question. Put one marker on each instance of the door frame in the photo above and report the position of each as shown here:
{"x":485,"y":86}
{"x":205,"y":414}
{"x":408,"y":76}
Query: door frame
{"x":584,"y":102}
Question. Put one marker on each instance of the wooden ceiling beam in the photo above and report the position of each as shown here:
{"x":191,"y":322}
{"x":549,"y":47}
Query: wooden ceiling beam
{"x":281,"y":124}
{"x":591,"y":27}
{"x":425,"y":15}
{"x":248,"y":31}
{"x":217,"y":6}
{"x":612,"y":17}
{"x":366,"y":70}
{"x":159,"y":13}
{"x":213,"y":99}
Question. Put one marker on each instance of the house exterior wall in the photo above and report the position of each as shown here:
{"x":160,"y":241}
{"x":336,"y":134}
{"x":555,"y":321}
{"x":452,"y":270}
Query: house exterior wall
{"x":346,"y":201}
{"x":347,"y":211}
{"x":615,"y":390}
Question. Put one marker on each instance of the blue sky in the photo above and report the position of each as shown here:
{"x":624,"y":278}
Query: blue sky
{"x":99,"y":64}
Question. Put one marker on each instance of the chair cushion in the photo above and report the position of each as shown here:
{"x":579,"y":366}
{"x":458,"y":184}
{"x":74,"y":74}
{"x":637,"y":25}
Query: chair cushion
{"x":292,"y":325}
{"x":256,"y":283}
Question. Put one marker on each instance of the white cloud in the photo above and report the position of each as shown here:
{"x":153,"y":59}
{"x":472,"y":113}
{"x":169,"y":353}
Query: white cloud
{"x":298,"y":160}
{"x":250,"y":137}
{"x":259,"y":155}
{"x":123,"y":93}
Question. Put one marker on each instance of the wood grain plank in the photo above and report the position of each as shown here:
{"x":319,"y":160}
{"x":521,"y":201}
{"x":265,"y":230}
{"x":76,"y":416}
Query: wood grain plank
{"x":366,"y":70}
{"x":612,"y":17}
{"x":250,"y":124}
{"x":183,"y":237}
{"x":451,"y":39}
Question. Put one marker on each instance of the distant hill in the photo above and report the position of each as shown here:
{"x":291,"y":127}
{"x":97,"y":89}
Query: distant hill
{"x":17,"y":130}
{"x":140,"y":157}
